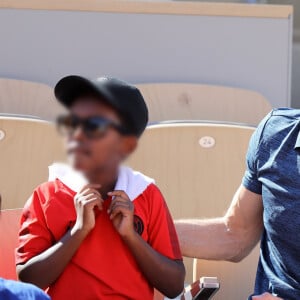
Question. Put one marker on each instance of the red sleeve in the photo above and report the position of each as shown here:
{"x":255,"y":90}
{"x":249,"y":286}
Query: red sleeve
{"x":162,"y":234}
{"x":34,"y":236}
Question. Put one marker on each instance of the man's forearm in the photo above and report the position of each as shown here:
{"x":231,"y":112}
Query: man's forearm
{"x":229,"y":238}
{"x":164,"y":274}
{"x":207,"y":239}
{"x":43,"y":269}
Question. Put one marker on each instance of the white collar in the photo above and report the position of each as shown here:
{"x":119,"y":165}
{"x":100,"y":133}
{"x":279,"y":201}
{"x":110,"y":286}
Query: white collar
{"x":132,"y":182}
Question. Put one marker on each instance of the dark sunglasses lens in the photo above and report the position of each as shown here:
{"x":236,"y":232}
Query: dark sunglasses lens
{"x":66,"y":124}
{"x":95,"y":127}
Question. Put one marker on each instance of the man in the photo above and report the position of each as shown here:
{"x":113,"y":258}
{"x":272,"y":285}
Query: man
{"x":98,"y":230}
{"x":12,"y":290}
{"x":266,"y":207}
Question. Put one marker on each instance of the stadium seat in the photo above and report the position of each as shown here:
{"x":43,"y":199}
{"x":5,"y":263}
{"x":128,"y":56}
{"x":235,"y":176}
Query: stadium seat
{"x":198,"y":167}
{"x":182,"y":101}
{"x":28,"y":98}
{"x":27,"y":147}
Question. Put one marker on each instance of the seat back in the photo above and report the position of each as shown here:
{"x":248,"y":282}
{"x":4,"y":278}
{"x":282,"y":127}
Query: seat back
{"x":27,"y":147}
{"x":198,"y":167}
{"x":9,"y":227}
{"x":28,"y":98}
{"x":183,"y":101}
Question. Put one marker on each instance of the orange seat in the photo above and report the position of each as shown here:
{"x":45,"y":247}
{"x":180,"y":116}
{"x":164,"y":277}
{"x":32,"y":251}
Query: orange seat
{"x":9,"y":227}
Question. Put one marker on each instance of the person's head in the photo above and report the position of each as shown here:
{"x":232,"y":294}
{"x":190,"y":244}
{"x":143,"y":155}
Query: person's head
{"x":104,"y":121}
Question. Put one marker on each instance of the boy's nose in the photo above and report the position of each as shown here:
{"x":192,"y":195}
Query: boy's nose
{"x":78,"y":133}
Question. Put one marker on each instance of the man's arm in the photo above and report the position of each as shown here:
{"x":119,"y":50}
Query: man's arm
{"x":164,"y":274}
{"x":231,"y":237}
{"x":53,"y":261}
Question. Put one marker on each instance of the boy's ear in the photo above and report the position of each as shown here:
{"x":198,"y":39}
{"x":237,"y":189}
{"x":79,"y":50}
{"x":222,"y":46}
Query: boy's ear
{"x":130,"y":143}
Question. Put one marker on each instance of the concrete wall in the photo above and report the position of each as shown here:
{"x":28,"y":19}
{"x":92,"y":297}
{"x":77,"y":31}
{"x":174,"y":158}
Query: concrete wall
{"x":247,"y":52}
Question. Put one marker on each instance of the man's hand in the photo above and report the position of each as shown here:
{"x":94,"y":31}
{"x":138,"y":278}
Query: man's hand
{"x":121,"y":213}
{"x":265,"y":296}
{"x":86,"y":201}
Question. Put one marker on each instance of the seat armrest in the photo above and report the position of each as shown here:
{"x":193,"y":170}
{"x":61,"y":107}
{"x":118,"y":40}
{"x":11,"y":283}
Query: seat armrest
{"x":203,"y":289}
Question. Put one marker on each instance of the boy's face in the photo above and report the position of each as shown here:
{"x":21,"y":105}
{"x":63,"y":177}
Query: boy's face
{"x":100,"y":153}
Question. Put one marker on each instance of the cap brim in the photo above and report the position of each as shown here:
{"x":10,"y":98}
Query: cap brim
{"x":72,"y":87}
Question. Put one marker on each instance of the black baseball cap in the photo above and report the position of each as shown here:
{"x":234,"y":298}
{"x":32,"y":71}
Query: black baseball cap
{"x":125,"y":98}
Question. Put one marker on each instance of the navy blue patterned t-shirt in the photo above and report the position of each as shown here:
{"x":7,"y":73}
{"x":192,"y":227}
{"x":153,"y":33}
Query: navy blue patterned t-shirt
{"x":273,"y":170}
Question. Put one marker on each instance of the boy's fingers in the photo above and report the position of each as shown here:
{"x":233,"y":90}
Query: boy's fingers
{"x":91,"y":192}
{"x":121,"y":194}
{"x":92,"y":196}
{"x":111,"y":207}
{"x":118,"y":195}
{"x":90,"y":185}
{"x":120,"y":209}
{"x":113,"y":202}
{"x":93,"y":202}
{"x":82,"y":198}
{"x":116,"y":203}
{"x":118,"y":200}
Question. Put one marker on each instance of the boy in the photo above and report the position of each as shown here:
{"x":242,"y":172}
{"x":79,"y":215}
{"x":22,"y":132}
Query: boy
{"x":112,"y":238}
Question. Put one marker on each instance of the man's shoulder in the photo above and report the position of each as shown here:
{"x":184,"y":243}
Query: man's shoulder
{"x":285,"y":113}
{"x":279,"y":129}
{"x":282,"y":116}
{"x":278,"y":122}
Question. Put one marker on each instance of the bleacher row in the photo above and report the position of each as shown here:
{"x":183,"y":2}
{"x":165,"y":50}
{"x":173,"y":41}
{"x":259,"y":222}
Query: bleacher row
{"x":194,"y":147}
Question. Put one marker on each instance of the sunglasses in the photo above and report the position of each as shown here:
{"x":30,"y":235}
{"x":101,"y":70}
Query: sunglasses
{"x":93,"y":127}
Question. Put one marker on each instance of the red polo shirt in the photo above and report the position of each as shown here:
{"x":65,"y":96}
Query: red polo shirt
{"x":103,"y":267}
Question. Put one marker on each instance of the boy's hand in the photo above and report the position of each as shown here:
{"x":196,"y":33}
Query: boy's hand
{"x":85,"y":201}
{"x":121,"y":213}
